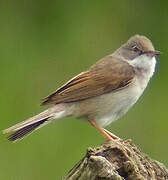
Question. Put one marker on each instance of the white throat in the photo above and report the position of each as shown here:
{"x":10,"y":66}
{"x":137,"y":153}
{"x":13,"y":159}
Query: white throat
{"x":145,"y":63}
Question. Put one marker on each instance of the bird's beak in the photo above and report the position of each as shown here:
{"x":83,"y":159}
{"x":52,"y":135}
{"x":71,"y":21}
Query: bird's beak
{"x":152,"y":53}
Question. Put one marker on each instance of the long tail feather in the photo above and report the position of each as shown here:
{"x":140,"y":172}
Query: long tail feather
{"x":19,"y":134}
{"x":26,"y":127}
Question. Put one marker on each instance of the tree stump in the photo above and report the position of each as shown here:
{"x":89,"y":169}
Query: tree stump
{"x":117,"y":160}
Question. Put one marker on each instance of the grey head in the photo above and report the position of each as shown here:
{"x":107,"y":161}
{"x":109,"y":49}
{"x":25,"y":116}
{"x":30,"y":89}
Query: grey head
{"x":137,"y":45}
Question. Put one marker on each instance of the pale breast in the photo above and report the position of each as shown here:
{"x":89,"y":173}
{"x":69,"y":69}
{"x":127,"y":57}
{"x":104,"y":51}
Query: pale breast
{"x":116,"y":104}
{"x":107,"y":108}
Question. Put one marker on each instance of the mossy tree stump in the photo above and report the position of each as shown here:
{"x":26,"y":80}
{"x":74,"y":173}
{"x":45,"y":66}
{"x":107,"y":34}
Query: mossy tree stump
{"x":117,"y":160}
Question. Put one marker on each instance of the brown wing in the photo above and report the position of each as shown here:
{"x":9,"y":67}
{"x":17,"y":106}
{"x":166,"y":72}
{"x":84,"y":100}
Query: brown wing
{"x":106,"y":75}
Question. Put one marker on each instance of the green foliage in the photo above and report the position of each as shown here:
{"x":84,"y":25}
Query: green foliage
{"x":43,"y":44}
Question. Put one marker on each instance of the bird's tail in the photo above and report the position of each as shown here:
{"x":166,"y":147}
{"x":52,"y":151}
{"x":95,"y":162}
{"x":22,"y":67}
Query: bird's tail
{"x":26,"y":127}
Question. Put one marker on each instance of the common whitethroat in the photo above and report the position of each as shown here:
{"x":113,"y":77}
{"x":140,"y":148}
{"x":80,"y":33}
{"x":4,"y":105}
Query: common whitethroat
{"x":102,"y":94}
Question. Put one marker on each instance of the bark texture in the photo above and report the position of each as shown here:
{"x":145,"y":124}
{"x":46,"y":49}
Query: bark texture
{"x":117,"y":160}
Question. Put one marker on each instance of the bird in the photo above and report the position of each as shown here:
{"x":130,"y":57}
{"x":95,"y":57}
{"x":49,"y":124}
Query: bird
{"x":101,"y":94}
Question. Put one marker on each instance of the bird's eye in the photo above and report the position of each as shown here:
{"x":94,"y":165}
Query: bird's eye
{"x":135,"y":48}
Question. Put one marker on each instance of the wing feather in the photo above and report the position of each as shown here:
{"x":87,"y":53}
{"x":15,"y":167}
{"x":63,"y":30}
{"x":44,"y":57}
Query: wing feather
{"x":107,"y":75}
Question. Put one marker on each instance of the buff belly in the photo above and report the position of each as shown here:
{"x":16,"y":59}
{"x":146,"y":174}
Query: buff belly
{"x":109,"y":107}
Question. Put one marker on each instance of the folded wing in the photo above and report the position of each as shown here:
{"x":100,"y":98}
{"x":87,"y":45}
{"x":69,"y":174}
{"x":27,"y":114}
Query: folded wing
{"x":108,"y":74}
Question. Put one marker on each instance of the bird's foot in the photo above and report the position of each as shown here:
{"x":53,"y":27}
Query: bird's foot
{"x":112,"y":136}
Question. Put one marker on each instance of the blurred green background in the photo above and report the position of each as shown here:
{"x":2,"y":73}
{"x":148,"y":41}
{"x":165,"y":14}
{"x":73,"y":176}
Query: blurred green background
{"x":45,"y":43}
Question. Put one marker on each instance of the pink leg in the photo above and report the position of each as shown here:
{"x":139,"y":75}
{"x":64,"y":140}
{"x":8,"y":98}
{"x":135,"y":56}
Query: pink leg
{"x":105,"y":133}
